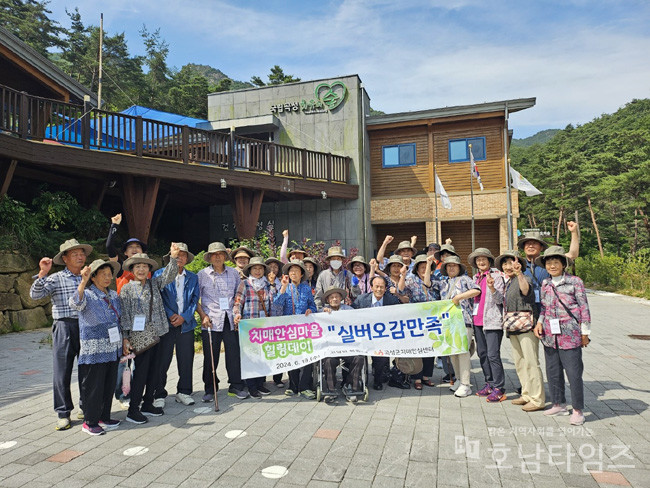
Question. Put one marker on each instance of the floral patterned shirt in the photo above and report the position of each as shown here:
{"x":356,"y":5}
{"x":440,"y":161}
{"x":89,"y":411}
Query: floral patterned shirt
{"x":571,"y":290}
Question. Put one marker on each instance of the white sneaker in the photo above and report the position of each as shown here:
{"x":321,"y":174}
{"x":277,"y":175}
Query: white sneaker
{"x":463,"y":391}
{"x":184,"y":399}
{"x":455,"y":386}
{"x":159,"y":403}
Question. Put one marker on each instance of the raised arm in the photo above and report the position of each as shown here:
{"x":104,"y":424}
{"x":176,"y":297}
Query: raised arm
{"x":574,"y":247}
{"x":382,"y":250}
{"x":110,"y":240}
{"x":285,"y":243}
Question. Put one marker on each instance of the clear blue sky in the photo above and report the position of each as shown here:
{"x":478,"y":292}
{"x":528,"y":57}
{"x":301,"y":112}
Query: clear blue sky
{"x":580,"y":58}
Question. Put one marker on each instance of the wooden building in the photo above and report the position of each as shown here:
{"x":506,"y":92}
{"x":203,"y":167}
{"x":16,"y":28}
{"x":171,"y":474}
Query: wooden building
{"x":406,"y":149}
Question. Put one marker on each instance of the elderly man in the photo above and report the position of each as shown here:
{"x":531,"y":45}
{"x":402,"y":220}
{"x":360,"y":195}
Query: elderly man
{"x":405,"y":249}
{"x":218,"y":284}
{"x":334,"y":276}
{"x":180,"y":299}
{"x":65,"y":329}
{"x":377,"y":298}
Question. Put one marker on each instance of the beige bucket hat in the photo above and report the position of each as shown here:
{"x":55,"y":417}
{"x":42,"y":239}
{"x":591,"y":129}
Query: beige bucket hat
{"x":532,"y":236}
{"x":98,"y":263}
{"x":361,"y":260}
{"x":295,"y":262}
{"x":181,"y":247}
{"x":406,"y":245}
{"x":334,"y":289}
{"x":335,"y":251}
{"x":510,"y":253}
{"x":140,"y":258}
{"x":445,"y":248}
{"x":255,"y":261}
{"x":215,"y":247}
{"x":480,"y":251}
{"x":552,"y":252}
{"x":69,"y":245}
{"x":453,"y":260}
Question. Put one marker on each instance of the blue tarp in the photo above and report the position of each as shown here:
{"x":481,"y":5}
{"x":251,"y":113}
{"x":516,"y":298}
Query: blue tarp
{"x":118,"y":133}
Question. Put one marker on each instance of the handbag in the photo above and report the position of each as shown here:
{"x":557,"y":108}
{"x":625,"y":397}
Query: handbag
{"x":143,"y":340}
{"x":409,"y":366}
{"x":516,"y":322}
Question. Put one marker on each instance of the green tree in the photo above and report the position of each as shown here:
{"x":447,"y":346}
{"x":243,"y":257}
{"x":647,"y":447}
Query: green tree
{"x":276,"y":77}
{"x":28,"y":20}
{"x":157,"y":76}
{"x":188,"y":94}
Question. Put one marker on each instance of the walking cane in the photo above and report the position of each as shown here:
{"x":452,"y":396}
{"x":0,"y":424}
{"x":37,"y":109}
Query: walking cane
{"x":214,"y":373}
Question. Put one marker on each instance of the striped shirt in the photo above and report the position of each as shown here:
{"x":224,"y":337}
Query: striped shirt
{"x":60,"y":287}
{"x":215,"y":286}
{"x":96,"y":316}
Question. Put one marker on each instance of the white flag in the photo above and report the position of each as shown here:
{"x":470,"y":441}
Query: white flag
{"x":522,"y":184}
{"x":440,"y":190}
{"x":475,"y":169}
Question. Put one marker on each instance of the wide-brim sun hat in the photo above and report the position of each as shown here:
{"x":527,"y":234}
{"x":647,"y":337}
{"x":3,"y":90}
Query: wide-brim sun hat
{"x":69,"y":245}
{"x":478,"y":252}
{"x":359,"y":259}
{"x":552,"y":252}
{"x":181,"y":247}
{"x":98,"y":263}
{"x":406,"y":245}
{"x":422,"y":258}
{"x":315,"y":263}
{"x":510,"y":253}
{"x":335,"y":252}
{"x":295,"y":262}
{"x":295,"y":249}
{"x":521,"y":243}
{"x":452,"y":260}
{"x":213,"y":248}
{"x":445,"y":248}
{"x":255,"y":261}
{"x":140,"y":258}
{"x":242,"y":249}
{"x":394,"y":259}
{"x":334,"y":289}
{"x":274,"y":260}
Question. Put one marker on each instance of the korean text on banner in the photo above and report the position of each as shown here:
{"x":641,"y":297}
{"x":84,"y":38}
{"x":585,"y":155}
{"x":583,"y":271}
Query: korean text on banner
{"x":278,"y":344}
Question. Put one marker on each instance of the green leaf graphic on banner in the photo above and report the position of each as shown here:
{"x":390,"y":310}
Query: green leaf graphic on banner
{"x":437,"y":344}
{"x":465,"y":340}
{"x":458,"y":342}
{"x":449,"y":338}
{"x":446,"y":351}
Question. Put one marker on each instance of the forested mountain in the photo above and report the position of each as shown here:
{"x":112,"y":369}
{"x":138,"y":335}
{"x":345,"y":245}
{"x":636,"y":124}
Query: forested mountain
{"x":604,"y":163}
{"x":539,"y":138}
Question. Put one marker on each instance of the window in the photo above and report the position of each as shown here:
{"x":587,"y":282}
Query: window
{"x":459,"y":149}
{"x":398,"y":155}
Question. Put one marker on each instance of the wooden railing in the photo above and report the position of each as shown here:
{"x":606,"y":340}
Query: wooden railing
{"x":39,"y":118}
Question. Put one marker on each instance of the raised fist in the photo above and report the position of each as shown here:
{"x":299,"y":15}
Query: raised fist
{"x":116,"y":219}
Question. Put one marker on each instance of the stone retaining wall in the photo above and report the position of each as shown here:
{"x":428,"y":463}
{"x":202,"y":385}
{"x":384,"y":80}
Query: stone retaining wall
{"x":17,"y":310}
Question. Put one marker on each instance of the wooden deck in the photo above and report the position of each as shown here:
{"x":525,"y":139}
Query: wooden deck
{"x":48,"y":133}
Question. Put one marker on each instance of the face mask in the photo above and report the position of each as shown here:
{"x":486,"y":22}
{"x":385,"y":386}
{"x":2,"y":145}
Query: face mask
{"x":336,"y":264}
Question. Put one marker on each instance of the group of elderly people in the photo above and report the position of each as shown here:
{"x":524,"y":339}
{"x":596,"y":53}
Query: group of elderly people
{"x":531,"y":297}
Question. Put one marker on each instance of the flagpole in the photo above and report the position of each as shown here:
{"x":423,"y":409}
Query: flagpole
{"x":507,"y":169}
{"x":471,"y":192}
{"x":435,"y":191}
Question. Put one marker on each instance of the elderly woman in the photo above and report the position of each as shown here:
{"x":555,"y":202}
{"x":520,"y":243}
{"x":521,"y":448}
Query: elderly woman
{"x":241,"y":256}
{"x":520,"y":297}
{"x":295,"y":297}
{"x":313,"y":270}
{"x":273,"y":267}
{"x":419,"y":288}
{"x":488,"y":323}
{"x":253,"y":300}
{"x":396,"y":271}
{"x":361,"y":275}
{"x":143,"y":321}
{"x":352,"y":385}
{"x":460,"y":289}
{"x":563,"y":327}
{"x":99,"y":334}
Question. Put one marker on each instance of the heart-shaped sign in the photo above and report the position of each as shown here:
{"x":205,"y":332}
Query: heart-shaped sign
{"x":332,"y":95}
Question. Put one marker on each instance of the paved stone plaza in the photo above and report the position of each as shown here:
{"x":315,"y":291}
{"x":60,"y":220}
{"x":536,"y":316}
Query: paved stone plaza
{"x":398,"y":438}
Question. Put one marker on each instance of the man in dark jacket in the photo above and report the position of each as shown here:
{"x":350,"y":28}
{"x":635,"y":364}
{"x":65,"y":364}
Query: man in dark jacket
{"x":377,"y":298}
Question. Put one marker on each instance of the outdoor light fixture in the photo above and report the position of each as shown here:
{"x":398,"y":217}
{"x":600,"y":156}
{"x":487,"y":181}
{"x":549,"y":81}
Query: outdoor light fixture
{"x":223,"y":183}
{"x":324,"y":194}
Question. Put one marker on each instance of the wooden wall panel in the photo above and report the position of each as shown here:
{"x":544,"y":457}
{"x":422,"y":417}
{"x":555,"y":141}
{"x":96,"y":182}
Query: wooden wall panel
{"x":414,"y":180}
{"x":456,"y":176}
{"x":460,"y":232}
{"x":409,"y":180}
{"x":400,"y":232}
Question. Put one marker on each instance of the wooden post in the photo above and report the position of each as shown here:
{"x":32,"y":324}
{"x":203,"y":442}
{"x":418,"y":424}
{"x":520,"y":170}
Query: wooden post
{"x":185,"y":144}
{"x":593,"y":220}
{"x":23,"y":117}
{"x":304,"y":164}
{"x":329,"y":167}
{"x":159,"y":213}
{"x":139,"y":136}
{"x":139,"y":196}
{"x":246,"y":211}
{"x":272,"y":150}
{"x":85,"y":126}
{"x":231,"y":150}
{"x":7,"y":169}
